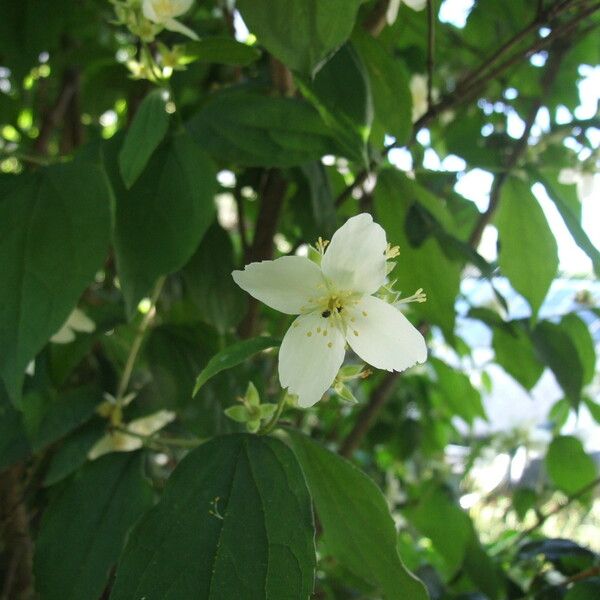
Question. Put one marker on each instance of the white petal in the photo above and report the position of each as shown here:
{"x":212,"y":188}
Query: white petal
{"x":391,"y":14}
{"x":180,"y":6}
{"x":355,"y":260}
{"x":287,"y":284}
{"x":386,"y":339}
{"x":308,"y":364}
{"x":149,"y":12}
{"x":64,"y":335}
{"x":416,"y":4}
{"x":151,"y":423}
{"x":79,"y":321}
{"x":175,"y":25}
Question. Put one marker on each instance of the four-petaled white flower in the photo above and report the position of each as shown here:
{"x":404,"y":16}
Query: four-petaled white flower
{"x":163,"y":12}
{"x":335,"y":304}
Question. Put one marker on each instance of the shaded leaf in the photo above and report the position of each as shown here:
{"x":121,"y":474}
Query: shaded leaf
{"x":234,"y":521}
{"x":357,"y":527}
{"x":232,"y":356}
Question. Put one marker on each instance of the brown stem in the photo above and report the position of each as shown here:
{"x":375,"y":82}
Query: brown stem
{"x":272,"y":196}
{"x":52,"y":118}
{"x":14,"y":532}
{"x":376,"y":19}
{"x":368,"y":415}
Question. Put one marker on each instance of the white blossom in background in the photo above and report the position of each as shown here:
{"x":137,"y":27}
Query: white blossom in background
{"x":418,"y":91}
{"x":336,"y":305}
{"x":394,"y":6}
{"x":586,"y":182}
{"x":77,"y":321}
{"x":163,"y":12}
{"x":120,"y":441}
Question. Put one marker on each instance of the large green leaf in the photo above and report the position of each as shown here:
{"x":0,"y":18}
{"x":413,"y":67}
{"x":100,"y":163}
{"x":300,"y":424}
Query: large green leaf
{"x":222,"y":50}
{"x":568,"y":465}
{"x":54,"y":227}
{"x":389,"y":85}
{"x":300,"y":33}
{"x":47,"y":418}
{"x":232,"y":356}
{"x":147,"y":130}
{"x":219,"y":300}
{"x":451,"y":531}
{"x":357,"y":527}
{"x":234,"y":521}
{"x":425,"y":266}
{"x":342,"y":94}
{"x":582,"y":339}
{"x":528,"y":252}
{"x":515,"y":353}
{"x":84,"y":527}
{"x":250,"y":129}
{"x":161,"y":220}
{"x":458,"y":393}
{"x":557,"y":350}
{"x":568,"y":205}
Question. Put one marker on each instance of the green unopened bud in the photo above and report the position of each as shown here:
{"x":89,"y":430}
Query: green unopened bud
{"x":344,"y":392}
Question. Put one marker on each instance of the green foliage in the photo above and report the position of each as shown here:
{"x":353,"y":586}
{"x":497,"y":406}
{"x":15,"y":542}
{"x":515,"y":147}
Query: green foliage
{"x":301,"y":33}
{"x":528,"y":253}
{"x":357,"y":527}
{"x":147,"y":130}
{"x":85,"y":526}
{"x":231,"y":356}
{"x":48,"y":219}
{"x":234,"y":516}
{"x":143,"y":161}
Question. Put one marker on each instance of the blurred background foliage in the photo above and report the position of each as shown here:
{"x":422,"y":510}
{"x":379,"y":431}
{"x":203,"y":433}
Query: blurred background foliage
{"x":139,"y":167}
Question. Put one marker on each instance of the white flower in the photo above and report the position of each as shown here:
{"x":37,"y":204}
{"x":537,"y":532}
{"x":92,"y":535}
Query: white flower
{"x":394,"y":5}
{"x":335,"y":304}
{"x":77,"y":321}
{"x":586,"y":182}
{"x":120,"y":441}
{"x":163,"y":12}
{"x":418,"y":90}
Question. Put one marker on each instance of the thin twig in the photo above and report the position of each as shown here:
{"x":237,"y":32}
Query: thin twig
{"x":543,"y":517}
{"x":367,"y":417}
{"x":137,"y":342}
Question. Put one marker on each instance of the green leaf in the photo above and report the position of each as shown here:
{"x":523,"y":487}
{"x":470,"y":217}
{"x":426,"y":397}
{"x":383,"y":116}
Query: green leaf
{"x":234,"y":521}
{"x":568,"y":205}
{"x":527,"y":248}
{"x":232,"y":356}
{"x":85,"y":525}
{"x":54,"y":227}
{"x":342,"y":94}
{"x":48,"y":419}
{"x":147,"y":130}
{"x":568,"y":465}
{"x":300,"y":33}
{"x":73,"y":449}
{"x":219,"y":300}
{"x":389,"y":85}
{"x":424,"y":267}
{"x":515,"y":353}
{"x":582,"y":339}
{"x":451,"y":531}
{"x":457,"y":392}
{"x":253,"y":130}
{"x":556,"y":349}
{"x":585,"y":590}
{"x":221,"y":50}
{"x":357,"y":527}
{"x":162,"y":218}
